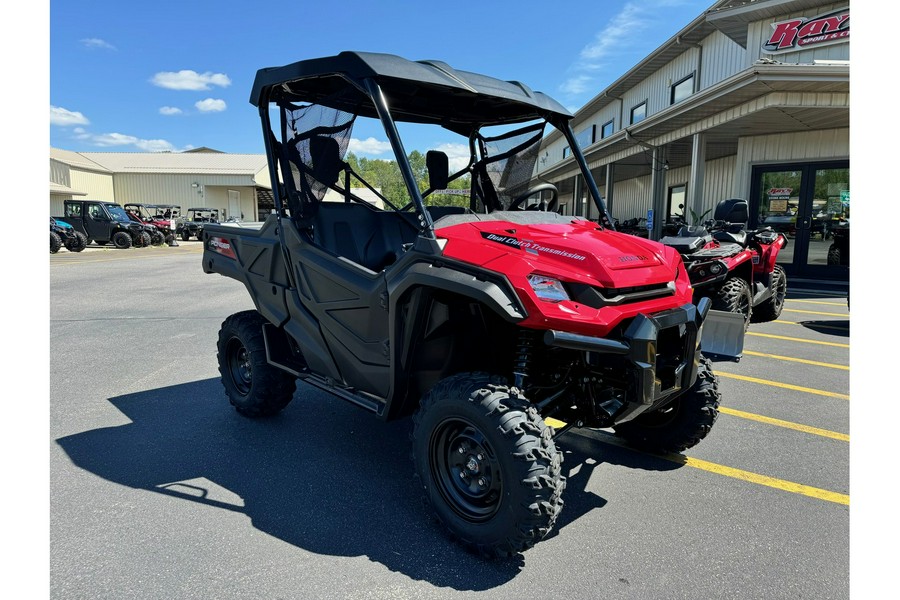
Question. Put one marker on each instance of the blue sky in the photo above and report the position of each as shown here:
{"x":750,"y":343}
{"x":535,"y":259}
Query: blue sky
{"x":157,"y":76}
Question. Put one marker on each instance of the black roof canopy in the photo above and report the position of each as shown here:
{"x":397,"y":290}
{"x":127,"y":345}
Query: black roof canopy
{"x":429,"y":91}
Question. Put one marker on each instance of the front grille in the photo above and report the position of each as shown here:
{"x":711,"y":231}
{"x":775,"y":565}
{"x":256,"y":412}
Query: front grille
{"x":597,"y":297}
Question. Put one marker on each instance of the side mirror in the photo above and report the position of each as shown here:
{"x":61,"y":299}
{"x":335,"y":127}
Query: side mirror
{"x":438,"y":166}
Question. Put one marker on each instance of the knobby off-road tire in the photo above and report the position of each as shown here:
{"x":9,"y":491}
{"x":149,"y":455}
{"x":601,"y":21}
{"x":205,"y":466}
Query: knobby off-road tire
{"x":834,"y":255}
{"x":681,"y":424}
{"x":157,"y":239}
{"x":55,"y":242}
{"x":488,"y":465}
{"x":253,"y":386}
{"x":121,"y":240}
{"x":170,"y":239}
{"x":734,"y":296}
{"x":185,"y":235}
{"x":771,"y":309}
{"x":144,"y":240}
{"x":77,"y":242}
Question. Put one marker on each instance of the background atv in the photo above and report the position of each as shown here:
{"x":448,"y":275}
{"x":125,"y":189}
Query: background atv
{"x":105,"y":222}
{"x":196,"y":218}
{"x":152,"y":215}
{"x":839,"y":250}
{"x":734,"y":267}
{"x":64,"y":235}
{"x":479,"y":321}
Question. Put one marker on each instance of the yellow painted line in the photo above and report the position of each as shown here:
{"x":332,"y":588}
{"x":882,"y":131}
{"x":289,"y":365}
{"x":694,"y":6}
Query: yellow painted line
{"x":748,"y":476}
{"x":786,"y":424}
{"x":783,"y":385}
{"x":793,"y":339}
{"x":815,"y":312}
{"x":799,"y":360}
{"x":554,"y":423}
{"x":817,"y":302}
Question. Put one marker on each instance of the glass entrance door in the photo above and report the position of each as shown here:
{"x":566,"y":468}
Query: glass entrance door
{"x":810,"y":204}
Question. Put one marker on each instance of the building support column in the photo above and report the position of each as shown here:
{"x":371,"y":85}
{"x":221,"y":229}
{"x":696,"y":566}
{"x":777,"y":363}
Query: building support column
{"x":610,"y":184}
{"x":694,"y":200}
{"x":658,"y":191}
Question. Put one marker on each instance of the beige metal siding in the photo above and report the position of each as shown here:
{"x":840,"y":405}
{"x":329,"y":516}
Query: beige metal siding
{"x":827,"y":144}
{"x":159,"y":188}
{"x":656,"y":89}
{"x":97,"y":186}
{"x":722,"y":58}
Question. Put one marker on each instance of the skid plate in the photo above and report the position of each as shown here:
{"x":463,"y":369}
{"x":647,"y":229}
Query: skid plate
{"x":723,"y":335}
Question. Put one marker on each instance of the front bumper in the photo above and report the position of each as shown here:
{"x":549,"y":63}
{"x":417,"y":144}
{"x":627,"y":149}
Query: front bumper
{"x":661,"y":351}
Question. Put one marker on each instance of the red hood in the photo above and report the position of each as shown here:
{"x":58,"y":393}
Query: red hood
{"x":577,"y":250}
{"x":572,"y":250}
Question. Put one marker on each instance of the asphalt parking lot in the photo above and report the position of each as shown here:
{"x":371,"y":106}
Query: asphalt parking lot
{"x":158,"y":489}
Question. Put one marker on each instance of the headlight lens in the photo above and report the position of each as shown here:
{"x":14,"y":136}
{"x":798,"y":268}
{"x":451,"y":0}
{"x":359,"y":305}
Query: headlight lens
{"x":548,"y":289}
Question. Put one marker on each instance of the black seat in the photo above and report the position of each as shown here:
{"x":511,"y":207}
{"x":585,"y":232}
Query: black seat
{"x":734,"y":213}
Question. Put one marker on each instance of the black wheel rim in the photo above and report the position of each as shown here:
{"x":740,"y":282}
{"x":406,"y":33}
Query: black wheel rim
{"x":466,"y":470}
{"x":239,"y":365}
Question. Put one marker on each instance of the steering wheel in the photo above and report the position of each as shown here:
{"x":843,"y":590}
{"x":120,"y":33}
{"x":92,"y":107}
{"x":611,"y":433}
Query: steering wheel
{"x":551,"y":205}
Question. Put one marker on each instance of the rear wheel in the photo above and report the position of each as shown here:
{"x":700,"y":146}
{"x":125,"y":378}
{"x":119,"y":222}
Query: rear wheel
{"x":681,"y":424}
{"x":734,"y":296}
{"x":77,"y":242}
{"x":488,"y":464}
{"x":55,"y":242}
{"x":771,"y":309}
{"x":253,"y":386}
{"x":121,"y":240}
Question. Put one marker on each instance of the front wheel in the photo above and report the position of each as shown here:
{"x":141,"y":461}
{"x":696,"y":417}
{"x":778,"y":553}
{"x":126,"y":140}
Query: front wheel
{"x":55,"y":242}
{"x":681,"y":424}
{"x":185,"y":235}
{"x":77,"y":242}
{"x":488,"y":465}
{"x":734,"y":296}
{"x":157,"y":239}
{"x":122,"y":240}
{"x":253,"y":386}
{"x":771,"y":309}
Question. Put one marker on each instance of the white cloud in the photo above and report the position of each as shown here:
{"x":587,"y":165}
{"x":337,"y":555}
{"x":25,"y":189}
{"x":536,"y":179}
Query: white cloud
{"x":66,"y":118}
{"x":369,"y":146}
{"x":116,"y":140}
{"x":190,"y":80}
{"x":616,"y":43}
{"x":457,"y":155}
{"x":169,"y":110}
{"x":211,"y":105}
{"x":97,"y":43}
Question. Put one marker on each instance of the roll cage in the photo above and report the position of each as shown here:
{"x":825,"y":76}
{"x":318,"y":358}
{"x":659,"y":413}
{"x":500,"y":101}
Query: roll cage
{"x":320,"y":99}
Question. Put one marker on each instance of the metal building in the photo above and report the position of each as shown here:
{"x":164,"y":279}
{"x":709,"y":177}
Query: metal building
{"x":236,"y":184}
{"x":749,"y":100}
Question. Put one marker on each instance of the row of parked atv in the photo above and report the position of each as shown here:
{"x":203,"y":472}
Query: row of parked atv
{"x":135,"y":225}
{"x":733,"y":266}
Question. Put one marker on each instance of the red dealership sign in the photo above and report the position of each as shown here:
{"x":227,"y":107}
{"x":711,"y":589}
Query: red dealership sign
{"x":801,"y":33}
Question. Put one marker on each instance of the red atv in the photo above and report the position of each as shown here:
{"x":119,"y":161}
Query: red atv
{"x":732,"y":266}
{"x":480,"y":316}
{"x":154,"y":215}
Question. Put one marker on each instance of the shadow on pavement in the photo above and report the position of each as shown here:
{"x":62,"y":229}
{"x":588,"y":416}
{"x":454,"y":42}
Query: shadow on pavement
{"x":323,"y":476}
{"x":836,"y":327}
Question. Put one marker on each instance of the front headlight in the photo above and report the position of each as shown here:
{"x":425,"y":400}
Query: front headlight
{"x":548,"y":289}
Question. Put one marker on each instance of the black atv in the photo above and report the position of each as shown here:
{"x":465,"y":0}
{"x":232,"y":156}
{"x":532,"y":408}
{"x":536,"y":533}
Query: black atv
{"x":194,"y":221}
{"x":106,"y":222}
